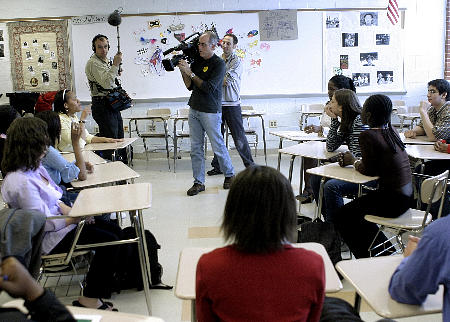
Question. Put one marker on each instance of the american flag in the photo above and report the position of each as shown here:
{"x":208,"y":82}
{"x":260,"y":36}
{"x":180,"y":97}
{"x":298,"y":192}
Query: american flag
{"x":392,"y":12}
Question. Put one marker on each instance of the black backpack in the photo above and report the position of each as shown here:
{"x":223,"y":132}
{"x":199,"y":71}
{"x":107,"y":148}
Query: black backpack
{"x":129,"y":276}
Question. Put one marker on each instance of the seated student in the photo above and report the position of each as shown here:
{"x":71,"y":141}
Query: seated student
{"x":383,"y":155}
{"x":27,"y":185}
{"x":7,"y":115}
{"x":67,"y":105}
{"x":426,"y":266}
{"x":57,"y":167}
{"x":434,"y":115}
{"x":345,"y":105}
{"x":42,"y":305}
{"x":336,"y":82}
{"x":260,"y":276}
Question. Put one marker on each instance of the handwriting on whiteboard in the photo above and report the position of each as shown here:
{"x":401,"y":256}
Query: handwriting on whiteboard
{"x":85,"y":20}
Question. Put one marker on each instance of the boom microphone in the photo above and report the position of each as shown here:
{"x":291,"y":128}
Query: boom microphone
{"x":115,"y":19}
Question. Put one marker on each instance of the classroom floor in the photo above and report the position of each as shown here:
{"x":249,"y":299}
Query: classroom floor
{"x":179,"y":221}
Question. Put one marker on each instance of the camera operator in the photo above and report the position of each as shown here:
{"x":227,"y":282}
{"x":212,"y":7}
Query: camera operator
{"x":231,"y":103}
{"x":205,"y":79}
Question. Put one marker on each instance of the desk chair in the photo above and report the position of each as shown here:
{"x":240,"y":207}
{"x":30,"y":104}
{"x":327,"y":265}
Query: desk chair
{"x":159,"y":115}
{"x":247,"y":129}
{"x":408,"y":113}
{"x":313,"y":110}
{"x":413,"y":220}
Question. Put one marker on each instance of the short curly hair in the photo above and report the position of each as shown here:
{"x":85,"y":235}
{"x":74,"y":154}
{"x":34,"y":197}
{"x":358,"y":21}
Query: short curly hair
{"x":26,"y":141}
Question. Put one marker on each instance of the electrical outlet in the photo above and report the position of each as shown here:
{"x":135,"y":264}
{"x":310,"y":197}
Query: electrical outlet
{"x":273,"y":123}
{"x":125,"y":128}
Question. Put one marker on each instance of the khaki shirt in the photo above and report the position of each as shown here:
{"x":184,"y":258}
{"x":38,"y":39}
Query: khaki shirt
{"x":100,"y":72}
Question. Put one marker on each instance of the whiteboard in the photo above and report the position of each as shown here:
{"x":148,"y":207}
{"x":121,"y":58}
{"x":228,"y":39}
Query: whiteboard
{"x":288,"y":67}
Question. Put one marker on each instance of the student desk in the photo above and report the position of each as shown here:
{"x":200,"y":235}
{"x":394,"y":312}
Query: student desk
{"x":298,"y":136}
{"x":106,"y":316}
{"x":426,"y":152}
{"x":89,"y":156}
{"x":110,"y":146}
{"x":147,"y":135}
{"x":107,"y":173}
{"x":335,"y":171}
{"x":421,"y":139}
{"x":253,"y":113}
{"x":370,"y":277}
{"x":182,"y":116}
{"x":187,"y":266}
{"x":132,"y":198}
{"x":312,"y":149}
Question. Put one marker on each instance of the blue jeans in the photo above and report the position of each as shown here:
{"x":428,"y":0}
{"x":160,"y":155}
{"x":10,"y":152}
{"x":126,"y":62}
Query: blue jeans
{"x":199,"y":123}
{"x":233,"y":117}
{"x":333,"y":192}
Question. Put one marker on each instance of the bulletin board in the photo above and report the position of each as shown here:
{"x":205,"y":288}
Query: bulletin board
{"x":365,"y":46}
{"x":39,"y":55}
{"x":282,"y":67}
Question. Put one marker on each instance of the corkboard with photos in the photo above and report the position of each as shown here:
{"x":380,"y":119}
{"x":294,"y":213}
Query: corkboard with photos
{"x":39,"y":56}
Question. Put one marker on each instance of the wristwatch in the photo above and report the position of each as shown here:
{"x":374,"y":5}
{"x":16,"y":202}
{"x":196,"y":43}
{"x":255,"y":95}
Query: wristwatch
{"x":192,"y":75}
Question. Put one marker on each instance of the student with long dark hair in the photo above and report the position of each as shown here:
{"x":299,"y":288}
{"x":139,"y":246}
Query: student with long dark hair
{"x":383,"y":155}
{"x":27,"y":185}
{"x":260,"y":276}
{"x":336,"y":82}
{"x":346,"y":107}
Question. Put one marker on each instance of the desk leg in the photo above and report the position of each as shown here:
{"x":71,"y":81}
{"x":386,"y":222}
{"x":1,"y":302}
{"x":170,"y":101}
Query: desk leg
{"x":280,"y":146}
{"x":319,"y":203}
{"x":175,"y":148}
{"x":166,"y":136}
{"x":302,"y":165}
{"x":143,"y":256}
{"x":264,"y":138}
{"x":357,"y":305}
{"x":193,"y":312}
{"x":291,"y":167}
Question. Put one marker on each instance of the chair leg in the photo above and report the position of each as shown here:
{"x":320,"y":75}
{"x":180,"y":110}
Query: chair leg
{"x":256,"y":143}
{"x":145,"y":147}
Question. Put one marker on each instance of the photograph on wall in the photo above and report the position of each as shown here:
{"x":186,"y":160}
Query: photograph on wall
{"x":343,"y":61}
{"x":361,"y":79}
{"x":333,"y":20}
{"x":368,"y":19}
{"x":30,"y":69}
{"x":368,"y":59}
{"x":350,"y":39}
{"x":1,"y":35}
{"x":382,"y":39}
{"x":35,"y":42}
{"x":45,"y":77}
{"x":2,"y":50}
{"x":385,"y":77}
{"x":54,"y":65}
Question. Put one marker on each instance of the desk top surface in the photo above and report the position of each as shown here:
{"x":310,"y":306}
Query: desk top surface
{"x":89,"y":156}
{"x":106,"y":316}
{"x":426,"y":152}
{"x":147,"y":117}
{"x":298,"y":136}
{"x":371,"y":276}
{"x":422,"y":139}
{"x":249,"y":113}
{"x":312,"y":149}
{"x":109,"y":146}
{"x":335,"y":171}
{"x":127,"y":197}
{"x":187,"y":266}
{"x":107,"y":173}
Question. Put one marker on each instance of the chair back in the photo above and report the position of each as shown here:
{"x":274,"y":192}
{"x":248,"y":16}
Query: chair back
{"x":183,"y":112}
{"x":434,"y":189}
{"x":158,"y":112}
{"x":398,"y":103}
{"x":247,"y":108}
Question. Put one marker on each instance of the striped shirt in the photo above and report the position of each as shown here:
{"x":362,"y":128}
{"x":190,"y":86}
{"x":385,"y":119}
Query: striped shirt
{"x":336,"y":138}
{"x":440,"y":120}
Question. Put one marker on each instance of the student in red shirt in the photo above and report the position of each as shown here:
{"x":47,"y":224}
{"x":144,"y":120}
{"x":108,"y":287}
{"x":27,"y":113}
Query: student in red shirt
{"x":260,"y":276}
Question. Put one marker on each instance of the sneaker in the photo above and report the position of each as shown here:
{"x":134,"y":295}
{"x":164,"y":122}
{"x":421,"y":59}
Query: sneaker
{"x":305,"y":197}
{"x":227,"y":182}
{"x":195,"y":189}
{"x":214,"y":172}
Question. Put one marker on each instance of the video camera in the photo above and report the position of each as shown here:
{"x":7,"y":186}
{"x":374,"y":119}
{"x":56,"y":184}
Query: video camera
{"x":189,"y":49}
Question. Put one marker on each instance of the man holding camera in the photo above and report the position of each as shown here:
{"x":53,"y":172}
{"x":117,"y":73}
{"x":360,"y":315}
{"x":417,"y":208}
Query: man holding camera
{"x":231,"y":103}
{"x":205,"y":78}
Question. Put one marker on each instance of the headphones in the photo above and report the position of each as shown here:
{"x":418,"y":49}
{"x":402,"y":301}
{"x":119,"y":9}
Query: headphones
{"x":98,"y":37}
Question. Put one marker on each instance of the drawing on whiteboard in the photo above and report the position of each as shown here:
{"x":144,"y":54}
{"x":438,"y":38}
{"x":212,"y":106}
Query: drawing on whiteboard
{"x":156,"y":66}
{"x":240,"y":53}
{"x":264,"y":46}
{"x":252,"y":33}
{"x":153,"y":24}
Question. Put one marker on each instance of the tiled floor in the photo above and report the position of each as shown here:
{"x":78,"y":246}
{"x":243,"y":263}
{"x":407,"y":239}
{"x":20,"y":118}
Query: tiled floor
{"x":178,"y":221}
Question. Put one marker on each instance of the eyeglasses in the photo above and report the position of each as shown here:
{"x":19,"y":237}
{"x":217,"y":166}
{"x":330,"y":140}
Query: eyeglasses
{"x":432,"y":91}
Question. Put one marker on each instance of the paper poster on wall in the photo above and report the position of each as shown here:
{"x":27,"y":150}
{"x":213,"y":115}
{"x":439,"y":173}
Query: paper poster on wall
{"x":368,"y":48}
{"x":278,"y":25}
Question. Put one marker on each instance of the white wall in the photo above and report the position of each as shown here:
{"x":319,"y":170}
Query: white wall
{"x":424,"y":41}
